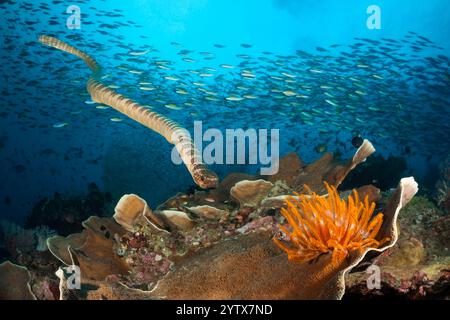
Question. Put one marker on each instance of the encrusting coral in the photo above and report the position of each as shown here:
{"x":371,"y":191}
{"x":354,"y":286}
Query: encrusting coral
{"x":329,"y":224}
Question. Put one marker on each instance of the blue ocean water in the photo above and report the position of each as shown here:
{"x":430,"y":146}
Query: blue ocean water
{"x":312,"y":69}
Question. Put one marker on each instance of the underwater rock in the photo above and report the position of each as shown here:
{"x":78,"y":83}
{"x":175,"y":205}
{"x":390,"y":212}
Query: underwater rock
{"x":65,"y":214}
{"x":408,"y":252}
{"x":249,"y":194}
{"x":15,"y":282}
{"x":92,"y":250}
{"x":329,"y":170}
{"x":422,"y":220}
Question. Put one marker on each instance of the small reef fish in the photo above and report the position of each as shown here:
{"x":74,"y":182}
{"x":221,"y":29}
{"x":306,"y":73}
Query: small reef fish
{"x":173,"y":106}
{"x":138,"y":53}
{"x":60,"y":125}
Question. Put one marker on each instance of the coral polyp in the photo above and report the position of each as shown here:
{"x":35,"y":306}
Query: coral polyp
{"x":327,"y":224}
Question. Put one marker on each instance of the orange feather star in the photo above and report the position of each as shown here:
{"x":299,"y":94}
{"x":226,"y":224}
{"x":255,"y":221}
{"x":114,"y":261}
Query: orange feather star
{"x":329,"y":224}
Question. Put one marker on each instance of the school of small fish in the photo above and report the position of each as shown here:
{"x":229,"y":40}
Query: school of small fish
{"x":389,"y":90}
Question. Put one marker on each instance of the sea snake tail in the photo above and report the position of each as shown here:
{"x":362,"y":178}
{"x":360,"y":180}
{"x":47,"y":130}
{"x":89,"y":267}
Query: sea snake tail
{"x":61,"y":45}
{"x":170,"y":130}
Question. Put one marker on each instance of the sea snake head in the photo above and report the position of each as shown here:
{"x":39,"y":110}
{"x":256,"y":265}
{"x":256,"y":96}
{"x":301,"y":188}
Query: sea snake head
{"x":190,"y":155}
{"x":205,"y":178}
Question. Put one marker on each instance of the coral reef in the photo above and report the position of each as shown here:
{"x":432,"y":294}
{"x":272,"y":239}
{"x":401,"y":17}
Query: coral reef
{"x":133,"y":210}
{"x":249,"y":266}
{"x":169,"y":129}
{"x":290,"y":166}
{"x":64,"y":214}
{"x":382,"y":173}
{"x":215,"y":244}
{"x":327,"y":169}
{"x":92,"y":249}
{"x":322,"y":225}
{"x":28,"y":248}
{"x":15,"y":282}
{"x":250,"y":193}
{"x":219,"y":244}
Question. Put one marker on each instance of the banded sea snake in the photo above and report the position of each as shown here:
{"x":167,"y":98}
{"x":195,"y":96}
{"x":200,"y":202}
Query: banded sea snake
{"x":170,"y":130}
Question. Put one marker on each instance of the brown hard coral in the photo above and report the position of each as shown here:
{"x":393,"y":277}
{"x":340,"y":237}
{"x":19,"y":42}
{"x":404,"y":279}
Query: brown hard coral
{"x":92,"y":250}
{"x":250,"y":193}
{"x":211,"y":250}
{"x":422,"y":248}
{"x":276,"y":202}
{"x":176,"y":219}
{"x":328,"y":224}
{"x":132,"y":211}
{"x":15,"y":282}
{"x":251,"y":267}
